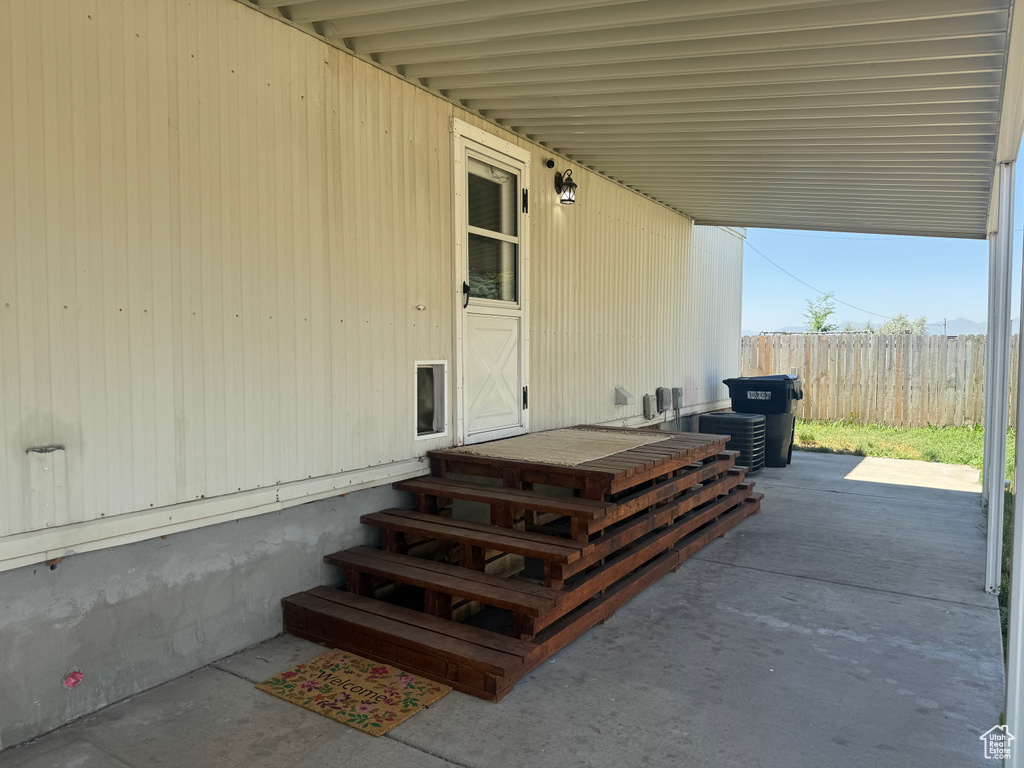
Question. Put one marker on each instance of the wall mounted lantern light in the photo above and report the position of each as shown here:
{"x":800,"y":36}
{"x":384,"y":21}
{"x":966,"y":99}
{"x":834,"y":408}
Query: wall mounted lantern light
{"x":564,"y":185}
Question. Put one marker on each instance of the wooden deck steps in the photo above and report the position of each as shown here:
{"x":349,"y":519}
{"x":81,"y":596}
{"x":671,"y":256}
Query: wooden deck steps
{"x":513,"y":498}
{"x":562,"y":632}
{"x":689,"y":517}
{"x":469,"y":659}
{"x":633,"y":517}
{"x":600,"y":608}
{"x":442,"y":582}
{"x":718,"y":528}
{"x":596,"y":478}
{"x":470,"y":534}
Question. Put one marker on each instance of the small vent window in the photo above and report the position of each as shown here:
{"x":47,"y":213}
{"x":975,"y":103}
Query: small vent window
{"x":431,"y":413}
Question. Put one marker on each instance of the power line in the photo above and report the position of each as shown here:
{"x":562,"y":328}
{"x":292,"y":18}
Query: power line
{"x":818,"y":290}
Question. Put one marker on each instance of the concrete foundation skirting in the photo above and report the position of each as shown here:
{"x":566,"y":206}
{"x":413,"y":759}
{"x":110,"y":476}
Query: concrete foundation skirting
{"x":131,"y":617}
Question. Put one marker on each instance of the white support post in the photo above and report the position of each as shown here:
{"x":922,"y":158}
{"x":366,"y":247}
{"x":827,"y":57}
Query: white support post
{"x":989,"y":377}
{"x":998,"y":367}
{"x":1015,"y":628}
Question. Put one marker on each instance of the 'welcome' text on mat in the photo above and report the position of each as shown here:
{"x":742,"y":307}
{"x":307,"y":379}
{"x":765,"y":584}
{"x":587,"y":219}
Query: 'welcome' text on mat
{"x":355,"y":691}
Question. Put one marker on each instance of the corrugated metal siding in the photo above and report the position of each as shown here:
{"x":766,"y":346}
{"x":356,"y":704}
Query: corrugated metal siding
{"x":214,"y":232}
{"x":627,"y":293}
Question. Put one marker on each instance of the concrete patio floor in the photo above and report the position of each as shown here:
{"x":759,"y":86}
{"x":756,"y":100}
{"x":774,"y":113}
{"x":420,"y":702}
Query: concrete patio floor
{"x":845,"y":625}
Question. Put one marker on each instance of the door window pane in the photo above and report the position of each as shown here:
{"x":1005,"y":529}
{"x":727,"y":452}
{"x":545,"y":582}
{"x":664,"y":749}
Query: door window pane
{"x":492,"y":269}
{"x":492,"y":198}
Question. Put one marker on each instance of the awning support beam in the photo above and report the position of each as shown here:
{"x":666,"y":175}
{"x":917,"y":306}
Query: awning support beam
{"x":997,"y":369}
{"x":989,"y":377}
{"x":1015,"y":628}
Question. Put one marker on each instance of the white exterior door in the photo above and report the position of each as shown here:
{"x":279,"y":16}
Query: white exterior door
{"x":491,"y":266}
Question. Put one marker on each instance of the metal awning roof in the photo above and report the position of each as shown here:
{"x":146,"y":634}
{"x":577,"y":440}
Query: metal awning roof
{"x":879,"y":116}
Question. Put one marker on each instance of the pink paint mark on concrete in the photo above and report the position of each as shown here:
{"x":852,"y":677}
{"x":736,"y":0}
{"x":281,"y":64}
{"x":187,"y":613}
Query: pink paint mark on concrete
{"x":73,"y":679}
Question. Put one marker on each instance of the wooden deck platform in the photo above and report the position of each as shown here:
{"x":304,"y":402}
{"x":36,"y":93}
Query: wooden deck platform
{"x":478,"y":603}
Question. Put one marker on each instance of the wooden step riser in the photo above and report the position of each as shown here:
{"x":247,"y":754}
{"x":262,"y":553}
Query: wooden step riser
{"x":666,"y":489}
{"x":594,"y":611}
{"x":503,"y":497}
{"x":562,"y":632}
{"x":645,"y":550}
{"x":711,"y":488}
{"x":482,"y":640}
{"x":698,"y":453}
{"x":482,"y":467}
{"x":471,"y":526}
{"x":517,"y":596}
{"x":719,"y":528}
{"x":656,"y":460}
{"x":555,"y":637}
{"x":311,"y":623}
{"x":477,"y":537}
{"x":610,"y":543}
{"x":494,"y":563}
{"x":434,"y":591}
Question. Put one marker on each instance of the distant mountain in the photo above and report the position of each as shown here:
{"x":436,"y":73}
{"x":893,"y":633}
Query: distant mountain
{"x":1014,"y":326}
{"x":857,"y":326}
{"x":960,"y":326}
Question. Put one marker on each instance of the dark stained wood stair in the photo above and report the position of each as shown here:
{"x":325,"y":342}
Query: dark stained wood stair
{"x":522,"y":598}
{"x":553,"y":564}
{"x":467,"y":658}
{"x":512,"y":498}
{"x":470,"y":534}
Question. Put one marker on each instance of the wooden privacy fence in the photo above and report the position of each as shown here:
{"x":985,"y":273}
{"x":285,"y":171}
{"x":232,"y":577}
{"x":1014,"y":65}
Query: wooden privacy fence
{"x":900,"y":381}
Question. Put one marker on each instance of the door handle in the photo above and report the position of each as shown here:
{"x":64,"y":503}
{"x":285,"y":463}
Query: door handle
{"x":465,"y":295}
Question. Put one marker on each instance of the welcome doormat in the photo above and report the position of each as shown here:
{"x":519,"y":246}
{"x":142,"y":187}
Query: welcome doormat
{"x":355,"y":691}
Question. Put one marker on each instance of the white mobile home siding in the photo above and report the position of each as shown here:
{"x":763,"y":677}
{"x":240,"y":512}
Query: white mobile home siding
{"x":214,"y":233}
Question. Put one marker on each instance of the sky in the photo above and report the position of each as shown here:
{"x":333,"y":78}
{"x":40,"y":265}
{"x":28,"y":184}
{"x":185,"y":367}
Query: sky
{"x":879,"y":275}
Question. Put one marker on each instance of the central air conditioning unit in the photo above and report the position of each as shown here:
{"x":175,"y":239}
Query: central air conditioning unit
{"x":746,"y":435}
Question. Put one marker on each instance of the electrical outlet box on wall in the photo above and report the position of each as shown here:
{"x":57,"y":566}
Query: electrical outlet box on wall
{"x":650,"y":406}
{"x":664,"y":395}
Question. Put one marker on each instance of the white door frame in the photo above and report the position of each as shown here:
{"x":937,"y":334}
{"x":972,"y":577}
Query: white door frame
{"x":486,"y":145}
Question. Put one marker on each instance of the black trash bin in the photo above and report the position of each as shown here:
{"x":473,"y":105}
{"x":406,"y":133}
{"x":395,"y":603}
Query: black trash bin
{"x":776,"y":398}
